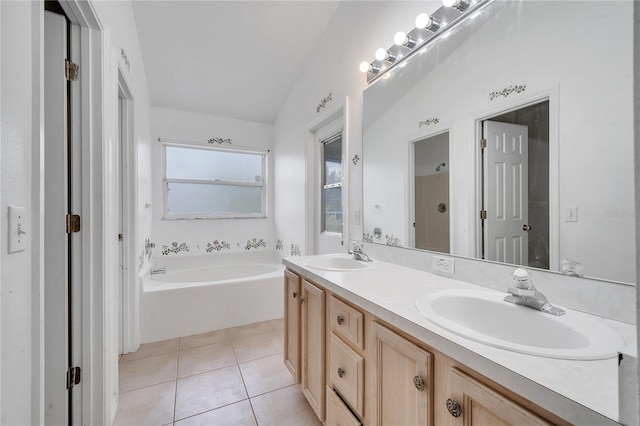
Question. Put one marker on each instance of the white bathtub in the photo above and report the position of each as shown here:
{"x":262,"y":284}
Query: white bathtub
{"x":210,"y":292}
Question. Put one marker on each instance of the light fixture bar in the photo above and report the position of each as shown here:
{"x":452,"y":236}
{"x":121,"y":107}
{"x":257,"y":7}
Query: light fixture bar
{"x":446,"y":18}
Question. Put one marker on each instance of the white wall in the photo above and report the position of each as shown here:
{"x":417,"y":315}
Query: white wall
{"x":352,"y":36}
{"x":196,"y":233}
{"x":21,"y":388}
{"x":17,"y":299}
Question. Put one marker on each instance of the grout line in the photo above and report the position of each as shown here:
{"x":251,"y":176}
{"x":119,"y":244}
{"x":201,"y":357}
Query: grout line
{"x":213,"y":409}
{"x":175,"y":393}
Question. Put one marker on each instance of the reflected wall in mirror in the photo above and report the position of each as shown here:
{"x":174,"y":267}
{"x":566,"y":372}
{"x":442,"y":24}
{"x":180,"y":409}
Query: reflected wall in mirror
{"x":568,"y":86}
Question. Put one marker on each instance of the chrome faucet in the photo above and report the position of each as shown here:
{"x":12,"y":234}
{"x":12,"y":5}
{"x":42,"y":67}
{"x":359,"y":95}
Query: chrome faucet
{"x":358,"y":254}
{"x":158,"y":271}
{"x":524,"y":293}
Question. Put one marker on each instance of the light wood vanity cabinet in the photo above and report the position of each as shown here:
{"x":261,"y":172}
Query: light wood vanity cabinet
{"x":313,"y":346}
{"x":292,"y":290}
{"x":355,"y":369}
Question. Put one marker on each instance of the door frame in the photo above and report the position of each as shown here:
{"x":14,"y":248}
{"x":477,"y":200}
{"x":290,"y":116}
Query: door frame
{"x":91,"y":296}
{"x":551,"y":95}
{"x":129,"y":297}
{"x":312,"y":172}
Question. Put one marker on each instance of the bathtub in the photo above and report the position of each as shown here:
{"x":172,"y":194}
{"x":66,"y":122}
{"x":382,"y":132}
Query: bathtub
{"x":209,"y":292}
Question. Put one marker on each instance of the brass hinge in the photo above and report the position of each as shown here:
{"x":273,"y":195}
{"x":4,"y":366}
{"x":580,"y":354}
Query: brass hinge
{"x":483,"y":215}
{"x":483,"y":143}
{"x":73,"y":223}
{"x":74,"y":375}
{"x":71,"y":70}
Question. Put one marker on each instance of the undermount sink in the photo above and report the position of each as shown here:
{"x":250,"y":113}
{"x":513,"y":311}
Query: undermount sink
{"x":483,"y":316}
{"x":338,"y":262}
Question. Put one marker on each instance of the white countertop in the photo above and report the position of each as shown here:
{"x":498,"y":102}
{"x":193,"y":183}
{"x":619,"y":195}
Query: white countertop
{"x":582,"y":392}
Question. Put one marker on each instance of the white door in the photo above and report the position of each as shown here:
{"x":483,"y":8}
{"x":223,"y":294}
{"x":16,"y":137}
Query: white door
{"x":505,"y":194}
{"x":56,"y":205}
{"x":329,"y":204}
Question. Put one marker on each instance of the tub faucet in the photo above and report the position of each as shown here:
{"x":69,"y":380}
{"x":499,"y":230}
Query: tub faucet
{"x":158,"y":271}
{"x":358,"y":254}
{"x":524,"y":293}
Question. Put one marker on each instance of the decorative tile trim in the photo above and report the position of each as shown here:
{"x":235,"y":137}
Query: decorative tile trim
{"x":174,"y":248}
{"x":295,"y":250}
{"x":279,"y":245}
{"x":323,"y":103}
{"x":429,"y":122}
{"x":219,"y":141}
{"x":123,"y":54}
{"x":393,"y":241}
{"x":514,"y":88}
{"x":255,"y":243}
{"x":217,"y":246}
{"x":355,"y":160}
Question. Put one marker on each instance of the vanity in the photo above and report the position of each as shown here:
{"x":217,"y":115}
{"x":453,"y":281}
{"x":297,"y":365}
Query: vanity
{"x":363,"y":354}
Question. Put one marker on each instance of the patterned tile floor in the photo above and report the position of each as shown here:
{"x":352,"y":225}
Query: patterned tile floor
{"x":233,"y":376}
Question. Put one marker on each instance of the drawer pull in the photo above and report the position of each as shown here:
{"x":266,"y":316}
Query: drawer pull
{"x":418,"y":382}
{"x":340,"y":319}
{"x":295,"y":294}
{"x":340,"y":372}
{"x":454,"y":408}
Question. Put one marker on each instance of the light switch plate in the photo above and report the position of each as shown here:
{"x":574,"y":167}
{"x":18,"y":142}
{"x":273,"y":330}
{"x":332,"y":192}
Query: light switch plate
{"x":18,"y":236}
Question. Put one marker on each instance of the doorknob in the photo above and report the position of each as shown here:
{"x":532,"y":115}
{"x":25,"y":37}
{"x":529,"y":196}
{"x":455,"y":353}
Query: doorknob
{"x":526,"y":228}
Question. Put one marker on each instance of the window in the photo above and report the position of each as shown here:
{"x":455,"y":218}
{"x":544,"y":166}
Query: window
{"x":332,"y":184}
{"x":211,"y":182}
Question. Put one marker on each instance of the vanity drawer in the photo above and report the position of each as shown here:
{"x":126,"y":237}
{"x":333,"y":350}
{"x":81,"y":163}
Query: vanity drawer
{"x":337,"y":413}
{"x":347,"y":321}
{"x":347,"y":374}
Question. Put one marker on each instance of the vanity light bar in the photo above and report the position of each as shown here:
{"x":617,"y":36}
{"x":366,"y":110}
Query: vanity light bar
{"x":429,"y":28}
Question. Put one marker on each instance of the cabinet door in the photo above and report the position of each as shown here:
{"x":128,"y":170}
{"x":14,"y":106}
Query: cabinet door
{"x":481,"y":405}
{"x":313,"y":346}
{"x":292,"y":296}
{"x":401,"y":380}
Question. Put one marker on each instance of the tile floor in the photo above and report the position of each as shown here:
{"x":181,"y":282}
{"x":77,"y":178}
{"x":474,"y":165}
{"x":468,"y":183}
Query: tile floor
{"x":234,"y":376}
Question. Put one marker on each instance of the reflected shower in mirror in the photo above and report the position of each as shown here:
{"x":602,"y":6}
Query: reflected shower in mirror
{"x":567,"y":204}
{"x":431,"y":193}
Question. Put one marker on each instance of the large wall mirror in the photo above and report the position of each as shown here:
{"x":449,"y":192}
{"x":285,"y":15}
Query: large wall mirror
{"x":510,"y":140}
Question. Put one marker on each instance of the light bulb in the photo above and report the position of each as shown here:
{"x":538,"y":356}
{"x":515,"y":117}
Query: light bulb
{"x":399,"y":38}
{"x":423,"y":20}
{"x":381,"y":54}
{"x":364,"y":66}
{"x":461,"y":5}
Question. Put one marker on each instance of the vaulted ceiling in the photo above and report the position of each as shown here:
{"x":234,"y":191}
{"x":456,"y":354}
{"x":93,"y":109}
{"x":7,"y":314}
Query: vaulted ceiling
{"x":236,"y":59}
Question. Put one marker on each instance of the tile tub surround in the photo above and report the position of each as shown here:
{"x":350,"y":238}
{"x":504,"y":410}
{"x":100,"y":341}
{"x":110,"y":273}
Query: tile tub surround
{"x":227,"y":376}
{"x":582,"y":392}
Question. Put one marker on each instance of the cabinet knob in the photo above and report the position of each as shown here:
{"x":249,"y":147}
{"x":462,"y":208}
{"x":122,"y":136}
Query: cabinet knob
{"x":340,"y":319}
{"x":301,"y":300}
{"x":295,"y":294}
{"x":454,"y":408}
{"x":418,"y":382}
{"x":340,"y":372}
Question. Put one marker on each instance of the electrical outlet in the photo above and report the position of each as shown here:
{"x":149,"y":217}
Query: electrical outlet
{"x":571,"y":214}
{"x":443,"y":264}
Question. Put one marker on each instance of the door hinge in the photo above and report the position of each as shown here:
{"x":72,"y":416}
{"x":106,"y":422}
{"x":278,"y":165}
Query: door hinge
{"x":73,"y":223}
{"x":71,"y":70}
{"x":483,"y":143}
{"x":74,"y":375}
{"x":483,"y":215}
